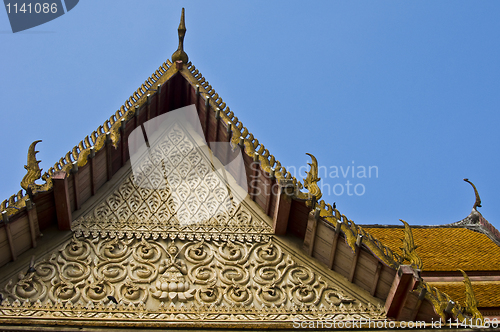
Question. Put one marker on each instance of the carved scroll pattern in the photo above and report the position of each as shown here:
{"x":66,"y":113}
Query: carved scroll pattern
{"x":161,"y":273}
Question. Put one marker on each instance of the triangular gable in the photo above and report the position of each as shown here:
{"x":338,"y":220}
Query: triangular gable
{"x":171,"y":238}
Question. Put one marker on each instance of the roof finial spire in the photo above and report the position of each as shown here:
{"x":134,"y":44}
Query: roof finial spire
{"x":180,"y":55}
{"x":478,"y":200}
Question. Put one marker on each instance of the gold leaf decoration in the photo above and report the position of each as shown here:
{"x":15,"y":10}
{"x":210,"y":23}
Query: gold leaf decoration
{"x":33,"y":169}
{"x":470,"y":299}
{"x":311,"y":183}
{"x":409,"y":248}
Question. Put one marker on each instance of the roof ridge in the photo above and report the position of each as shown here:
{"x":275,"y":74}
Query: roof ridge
{"x":476,"y":222}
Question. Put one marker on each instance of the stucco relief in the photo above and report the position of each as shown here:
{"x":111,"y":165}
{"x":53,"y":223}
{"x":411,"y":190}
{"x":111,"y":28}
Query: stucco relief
{"x":133,"y":210}
{"x":178,"y":275}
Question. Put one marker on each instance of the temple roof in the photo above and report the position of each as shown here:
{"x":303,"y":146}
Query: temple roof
{"x":101,"y":161}
{"x":445,"y":248}
{"x":470,"y":245}
{"x":487,"y":292}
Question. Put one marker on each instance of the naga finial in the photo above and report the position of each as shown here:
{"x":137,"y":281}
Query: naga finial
{"x":34,"y":171}
{"x":180,"y":55}
{"x":478,"y":200}
{"x":311,"y":180}
{"x":470,"y":299}
{"x":409,"y":248}
{"x":311,"y":184}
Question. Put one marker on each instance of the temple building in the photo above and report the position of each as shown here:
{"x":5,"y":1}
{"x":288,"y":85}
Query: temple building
{"x":172,"y":215}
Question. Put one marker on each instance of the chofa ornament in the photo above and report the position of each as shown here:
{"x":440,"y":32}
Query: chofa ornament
{"x":311,"y":184}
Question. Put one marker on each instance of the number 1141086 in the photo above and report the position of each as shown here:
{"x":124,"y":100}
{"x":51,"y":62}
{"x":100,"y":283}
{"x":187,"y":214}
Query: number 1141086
{"x":37,"y":8}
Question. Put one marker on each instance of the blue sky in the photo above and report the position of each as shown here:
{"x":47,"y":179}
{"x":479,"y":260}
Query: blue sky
{"x":410,"y":88}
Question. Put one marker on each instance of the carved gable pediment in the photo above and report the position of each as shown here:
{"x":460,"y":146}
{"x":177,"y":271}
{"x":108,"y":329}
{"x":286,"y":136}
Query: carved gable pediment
{"x":180,"y":280}
{"x":174,"y":240}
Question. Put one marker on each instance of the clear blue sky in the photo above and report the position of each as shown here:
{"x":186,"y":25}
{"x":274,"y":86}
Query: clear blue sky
{"x":411,"y":87}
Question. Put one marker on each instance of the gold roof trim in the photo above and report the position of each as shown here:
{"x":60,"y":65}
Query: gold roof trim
{"x":311,"y":184}
{"x":33,"y":169}
{"x":269,"y":164}
{"x":444,"y":305}
{"x":409,"y":248}
{"x":441,"y":302}
{"x":97,"y":139}
{"x":328,"y":212}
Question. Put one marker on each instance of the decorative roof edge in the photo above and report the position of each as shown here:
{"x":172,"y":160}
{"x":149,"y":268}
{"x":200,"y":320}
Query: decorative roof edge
{"x":110,"y":132}
{"x":253,"y":148}
{"x":477,"y":223}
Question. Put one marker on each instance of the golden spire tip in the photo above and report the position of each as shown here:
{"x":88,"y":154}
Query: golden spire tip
{"x":180,"y":55}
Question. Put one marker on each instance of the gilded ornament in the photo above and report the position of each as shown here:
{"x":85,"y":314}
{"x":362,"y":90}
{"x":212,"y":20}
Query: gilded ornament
{"x":350,"y":231}
{"x":440,"y":301}
{"x":272,"y":166}
{"x":409,"y":248}
{"x":470,"y":299}
{"x":180,"y":55}
{"x":195,"y":279}
{"x":312,"y":179}
{"x":17,"y":201}
{"x":310,"y":183}
{"x":34,"y":172}
{"x":385,"y":254}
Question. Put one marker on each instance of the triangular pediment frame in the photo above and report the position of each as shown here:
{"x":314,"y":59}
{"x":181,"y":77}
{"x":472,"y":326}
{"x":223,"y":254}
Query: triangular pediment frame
{"x":132,"y":262}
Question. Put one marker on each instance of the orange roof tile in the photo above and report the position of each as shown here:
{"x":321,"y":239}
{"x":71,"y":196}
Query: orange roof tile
{"x":487,"y":292}
{"x":445,"y":248}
